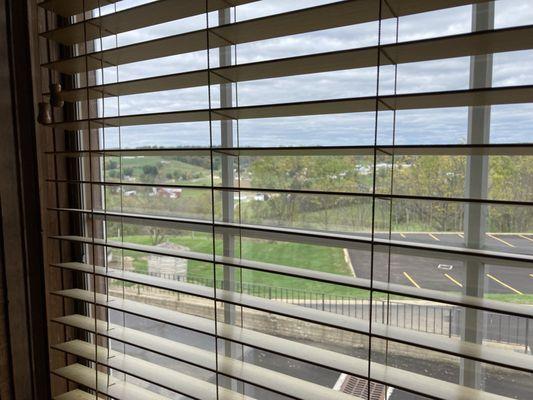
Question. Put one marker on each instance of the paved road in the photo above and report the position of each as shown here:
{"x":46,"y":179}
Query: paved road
{"x":426,"y":273}
{"x":271,"y":361}
{"x":496,"y":380}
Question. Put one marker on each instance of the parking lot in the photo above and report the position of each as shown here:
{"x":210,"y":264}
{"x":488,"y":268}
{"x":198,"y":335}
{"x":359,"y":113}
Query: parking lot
{"x":449,"y":274}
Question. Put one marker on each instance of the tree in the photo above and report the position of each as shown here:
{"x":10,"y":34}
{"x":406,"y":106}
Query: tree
{"x":511,"y":178}
{"x":323,"y":173}
{"x":150,"y":170}
{"x":432,"y":176}
{"x":128,"y":171}
{"x":112,"y":164}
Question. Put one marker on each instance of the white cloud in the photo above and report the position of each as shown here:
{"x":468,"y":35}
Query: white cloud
{"x":509,"y":123}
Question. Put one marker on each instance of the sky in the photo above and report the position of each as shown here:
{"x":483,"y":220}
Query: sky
{"x":509,"y":123}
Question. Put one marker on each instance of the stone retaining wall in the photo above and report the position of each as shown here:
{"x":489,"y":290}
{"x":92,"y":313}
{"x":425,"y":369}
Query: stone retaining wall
{"x":276,"y":325}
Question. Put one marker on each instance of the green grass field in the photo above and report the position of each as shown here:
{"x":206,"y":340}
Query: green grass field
{"x":291,"y":254}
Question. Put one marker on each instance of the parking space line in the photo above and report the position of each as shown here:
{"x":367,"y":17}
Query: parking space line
{"x":402,"y":235}
{"x":461,"y":235}
{"x":504,"y":284}
{"x":500,"y":240}
{"x":434,"y":237}
{"x":453,"y":280}
{"x":525,"y":237}
{"x":531,"y":275}
{"x":411,"y":279}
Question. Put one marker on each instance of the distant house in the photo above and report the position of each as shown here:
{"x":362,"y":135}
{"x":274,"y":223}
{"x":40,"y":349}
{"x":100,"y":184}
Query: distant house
{"x":261,"y":197}
{"x":171,"y":193}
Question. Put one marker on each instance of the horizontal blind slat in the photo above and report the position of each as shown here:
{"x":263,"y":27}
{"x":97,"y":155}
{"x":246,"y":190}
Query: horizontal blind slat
{"x":520,"y":310}
{"x":117,"y":388}
{"x":250,"y":373}
{"x":76,"y":394}
{"x":256,"y":375}
{"x":326,"y":16}
{"x":500,"y":149}
{"x":453,"y":199}
{"x":161,"y":376}
{"x":446,"y":345}
{"x":144,"y":15}
{"x":67,"y":8}
{"x":487,"y":42}
{"x":400,"y":247}
{"x":411,"y":101}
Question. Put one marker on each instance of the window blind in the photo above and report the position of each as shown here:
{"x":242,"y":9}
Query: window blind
{"x":289,"y":200}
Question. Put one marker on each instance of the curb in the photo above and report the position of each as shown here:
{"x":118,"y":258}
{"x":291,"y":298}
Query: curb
{"x":348,"y":261}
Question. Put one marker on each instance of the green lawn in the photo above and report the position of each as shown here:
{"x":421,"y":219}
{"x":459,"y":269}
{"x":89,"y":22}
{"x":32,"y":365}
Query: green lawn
{"x":511,"y":298}
{"x":290,"y":254}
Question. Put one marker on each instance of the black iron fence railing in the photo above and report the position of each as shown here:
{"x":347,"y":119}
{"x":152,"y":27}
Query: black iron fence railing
{"x":415,"y":315}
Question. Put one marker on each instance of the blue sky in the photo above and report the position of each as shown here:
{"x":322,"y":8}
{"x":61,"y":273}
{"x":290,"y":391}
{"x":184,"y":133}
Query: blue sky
{"x":509,"y":124}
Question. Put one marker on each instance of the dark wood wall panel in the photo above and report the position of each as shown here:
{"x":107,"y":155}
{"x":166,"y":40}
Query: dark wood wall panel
{"x":24,"y":290}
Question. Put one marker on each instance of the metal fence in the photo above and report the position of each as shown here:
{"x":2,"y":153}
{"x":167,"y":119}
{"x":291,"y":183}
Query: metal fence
{"x":430,"y":318}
